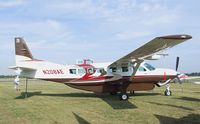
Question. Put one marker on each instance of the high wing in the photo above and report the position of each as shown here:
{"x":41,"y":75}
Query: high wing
{"x":151,"y":48}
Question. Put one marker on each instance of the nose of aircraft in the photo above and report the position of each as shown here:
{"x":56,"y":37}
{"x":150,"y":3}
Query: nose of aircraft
{"x":169,"y":72}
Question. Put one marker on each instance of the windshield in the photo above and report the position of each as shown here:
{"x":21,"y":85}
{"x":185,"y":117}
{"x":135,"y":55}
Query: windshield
{"x":148,"y":66}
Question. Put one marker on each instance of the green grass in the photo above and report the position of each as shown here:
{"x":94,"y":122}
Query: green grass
{"x":53,"y":103}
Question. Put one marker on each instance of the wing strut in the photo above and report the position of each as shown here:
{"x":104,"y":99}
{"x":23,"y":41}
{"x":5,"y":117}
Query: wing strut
{"x":137,"y":62}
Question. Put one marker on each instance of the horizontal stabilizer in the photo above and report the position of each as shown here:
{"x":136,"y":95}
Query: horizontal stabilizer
{"x":21,"y":68}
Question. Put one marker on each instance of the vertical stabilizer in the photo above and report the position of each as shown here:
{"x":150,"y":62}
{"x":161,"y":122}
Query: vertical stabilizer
{"x":22,"y":51}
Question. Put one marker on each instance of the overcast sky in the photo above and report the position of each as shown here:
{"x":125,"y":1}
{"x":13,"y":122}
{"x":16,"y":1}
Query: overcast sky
{"x":63,"y":31}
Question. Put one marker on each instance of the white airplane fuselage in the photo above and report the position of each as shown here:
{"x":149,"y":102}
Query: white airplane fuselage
{"x":94,"y":76}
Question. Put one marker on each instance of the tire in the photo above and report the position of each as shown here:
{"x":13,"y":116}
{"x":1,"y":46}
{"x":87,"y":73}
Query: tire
{"x":168,"y":93}
{"x":124,"y":96}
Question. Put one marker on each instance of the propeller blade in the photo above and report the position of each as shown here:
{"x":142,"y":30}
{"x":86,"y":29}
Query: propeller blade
{"x":177,"y":63}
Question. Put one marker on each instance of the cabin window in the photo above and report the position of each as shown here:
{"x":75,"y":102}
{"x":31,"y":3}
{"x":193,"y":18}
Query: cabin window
{"x":148,"y":66}
{"x":100,"y":70}
{"x":81,"y":71}
{"x":72,"y":71}
{"x":90,"y":70}
{"x":113,"y":69}
{"x":141,"y":68}
{"x":124,"y":69}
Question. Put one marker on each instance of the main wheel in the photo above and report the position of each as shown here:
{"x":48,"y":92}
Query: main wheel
{"x":168,"y":93}
{"x":124,"y":96}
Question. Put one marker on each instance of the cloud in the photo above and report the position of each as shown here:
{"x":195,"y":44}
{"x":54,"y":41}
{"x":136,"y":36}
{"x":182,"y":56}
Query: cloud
{"x":44,"y":28}
{"x":115,"y":20}
{"x":11,"y":3}
{"x":119,"y":10}
{"x":122,"y":19}
{"x":44,"y":35}
{"x":131,"y":35}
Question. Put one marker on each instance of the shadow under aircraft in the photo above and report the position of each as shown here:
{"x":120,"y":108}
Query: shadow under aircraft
{"x":111,"y":100}
{"x":189,"y":119}
{"x":189,"y":99}
{"x":169,"y":105}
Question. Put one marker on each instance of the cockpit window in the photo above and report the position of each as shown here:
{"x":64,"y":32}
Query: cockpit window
{"x":141,"y":68}
{"x":148,"y":66}
{"x":113,"y":69}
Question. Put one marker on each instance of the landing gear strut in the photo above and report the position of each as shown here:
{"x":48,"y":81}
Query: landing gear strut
{"x":132,"y":92}
{"x":123,"y":94}
{"x":168,"y":92}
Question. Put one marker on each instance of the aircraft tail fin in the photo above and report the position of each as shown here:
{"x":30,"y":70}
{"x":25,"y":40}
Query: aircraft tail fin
{"x":22,"y":51}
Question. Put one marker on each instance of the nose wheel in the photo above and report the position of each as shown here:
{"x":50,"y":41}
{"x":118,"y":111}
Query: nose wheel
{"x":168,"y":92}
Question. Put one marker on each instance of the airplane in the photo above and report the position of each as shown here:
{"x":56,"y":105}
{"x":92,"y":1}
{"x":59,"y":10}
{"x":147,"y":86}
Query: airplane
{"x":130,"y":73}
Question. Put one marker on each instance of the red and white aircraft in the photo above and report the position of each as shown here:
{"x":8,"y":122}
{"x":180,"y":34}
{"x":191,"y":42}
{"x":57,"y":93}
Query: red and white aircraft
{"x":129,"y":73}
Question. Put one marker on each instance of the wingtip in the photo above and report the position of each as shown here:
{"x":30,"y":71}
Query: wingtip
{"x":178,"y":36}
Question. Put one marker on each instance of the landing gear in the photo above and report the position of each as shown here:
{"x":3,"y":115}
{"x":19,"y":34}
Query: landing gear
{"x":132,"y":92}
{"x":168,"y":92}
{"x":122,"y":89}
{"x":113,"y":93}
{"x":123,"y":96}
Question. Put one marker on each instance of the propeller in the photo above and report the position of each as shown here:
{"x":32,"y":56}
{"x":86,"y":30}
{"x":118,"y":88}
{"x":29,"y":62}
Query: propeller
{"x":177,"y":65}
{"x":177,"y":62}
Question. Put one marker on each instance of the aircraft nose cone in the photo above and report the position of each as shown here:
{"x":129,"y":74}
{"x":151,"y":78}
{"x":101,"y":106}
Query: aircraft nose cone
{"x":168,"y":71}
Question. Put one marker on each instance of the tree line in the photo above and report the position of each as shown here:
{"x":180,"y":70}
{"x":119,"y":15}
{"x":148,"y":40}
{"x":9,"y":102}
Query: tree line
{"x":193,"y":74}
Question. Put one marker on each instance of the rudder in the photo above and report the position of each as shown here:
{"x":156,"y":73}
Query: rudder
{"x":21,"y":50}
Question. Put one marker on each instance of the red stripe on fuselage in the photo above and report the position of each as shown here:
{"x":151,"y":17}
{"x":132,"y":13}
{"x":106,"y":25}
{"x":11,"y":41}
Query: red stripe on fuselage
{"x":164,"y":77}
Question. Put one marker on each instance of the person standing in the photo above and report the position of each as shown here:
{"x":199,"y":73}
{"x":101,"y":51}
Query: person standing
{"x":16,"y":83}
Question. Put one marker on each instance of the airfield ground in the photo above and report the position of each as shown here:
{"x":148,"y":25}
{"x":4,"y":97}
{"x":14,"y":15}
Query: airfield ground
{"x":53,"y":103}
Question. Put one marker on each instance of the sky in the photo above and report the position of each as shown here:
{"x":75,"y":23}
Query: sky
{"x":63,"y":31}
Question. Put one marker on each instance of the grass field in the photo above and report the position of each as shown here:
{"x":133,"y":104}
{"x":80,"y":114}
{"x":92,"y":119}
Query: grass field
{"x":53,"y":103}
